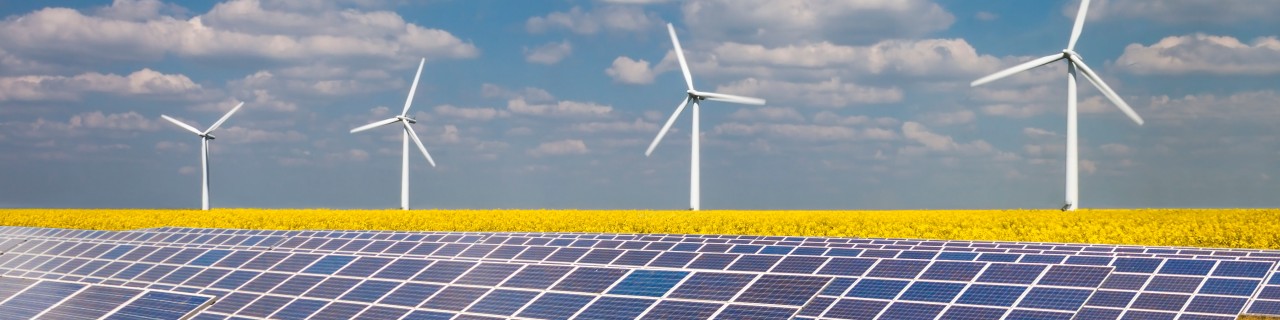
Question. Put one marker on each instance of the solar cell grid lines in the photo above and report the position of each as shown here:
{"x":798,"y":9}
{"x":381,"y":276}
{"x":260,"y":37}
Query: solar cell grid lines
{"x":322,"y":274}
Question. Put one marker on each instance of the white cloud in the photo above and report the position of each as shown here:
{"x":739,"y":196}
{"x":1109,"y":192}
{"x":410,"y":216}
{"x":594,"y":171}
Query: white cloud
{"x":828,"y":117}
{"x":927,"y":57}
{"x":139,"y":10}
{"x":558,"y":109}
{"x":562,"y":147}
{"x":639,"y":125}
{"x":1014,"y":110}
{"x":832,"y":93}
{"x":625,"y":70}
{"x":1201,"y":53}
{"x":607,"y":18}
{"x":917,"y":132}
{"x":1247,"y":106}
{"x":1116,"y":149}
{"x":767,"y":113}
{"x":1038,"y":133}
{"x":1192,"y":12}
{"x":950,"y":118}
{"x":550,"y":53}
{"x":141,"y":82}
{"x":774,"y":22}
{"x":476,"y":114}
{"x":529,"y":94}
{"x":128,"y":121}
{"x":805,"y":132}
{"x":239,"y":135}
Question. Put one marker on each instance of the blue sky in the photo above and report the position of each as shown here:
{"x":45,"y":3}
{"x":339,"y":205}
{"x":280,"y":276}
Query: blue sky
{"x":539,"y":104}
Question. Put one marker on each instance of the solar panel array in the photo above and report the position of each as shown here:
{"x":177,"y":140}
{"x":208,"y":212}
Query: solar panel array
{"x":170,"y":273}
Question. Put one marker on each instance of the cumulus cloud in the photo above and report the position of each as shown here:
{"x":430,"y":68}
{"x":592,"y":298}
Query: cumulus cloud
{"x":1192,"y":12}
{"x":1247,"y":106}
{"x":936,"y":142}
{"x":550,"y":53}
{"x":558,"y":109}
{"x":639,"y":125}
{"x":927,"y":57}
{"x":950,"y":118}
{"x":805,"y":132}
{"x":529,"y":94}
{"x":476,"y":114}
{"x":141,"y":82}
{"x":557,"y":148}
{"x":628,"y":71}
{"x":128,"y":121}
{"x":767,"y":113}
{"x":239,"y":135}
{"x":596,"y":20}
{"x":1201,"y":53}
{"x":775,"y":22}
{"x":833,"y":93}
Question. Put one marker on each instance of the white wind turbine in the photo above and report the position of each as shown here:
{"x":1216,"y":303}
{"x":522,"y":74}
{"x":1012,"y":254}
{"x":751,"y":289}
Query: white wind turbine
{"x":408,"y":134}
{"x":1074,"y":63}
{"x":693,"y":96}
{"x":205,"y":137}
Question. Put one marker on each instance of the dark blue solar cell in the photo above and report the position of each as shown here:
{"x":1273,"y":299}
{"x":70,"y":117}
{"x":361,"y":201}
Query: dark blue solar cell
{"x":953,"y":271}
{"x":846,"y":266}
{"x":1089,"y":260}
{"x":991,"y":295}
{"x":760,"y":263}
{"x":337,"y":310}
{"x":1231,"y":287}
{"x":856,"y":309}
{"x":503,"y":302}
{"x":210,"y":257}
{"x":454,"y":298}
{"x":1108,"y":298}
{"x":999,"y":257}
{"x":91,"y":303}
{"x":262,"y":261}
{"x":926,"y":255}
{"x":838,"y":286}
{"x":364,"y":267}
{"x":425,"y":248}
{"x":648,"y":283}
{"x":755,"y":312}
{"x":567,"y":254}
{"x":235,"y":260}
{"x":712,"y":286}
{"x":932,"y":291}
{"x":1187,"y":267}
{"x":451,"y":250}
{"x":601,"y":256}
{"x":1088,"y":313}
{"x":902,"y":269}
{"x":160,"y":305}
{"x":590,"y":280}
{"x":185,"y":256}
{"x":1174,"y":284}
{"x":1011,"y":273}
{"x":235,"y":279}
{"x":1074,"y":276}
{"x":432,"y":315}
{"x":1217,"y":305}
{"x":444,"y":271}
{"x":673,"y":259}
{"x":682,"y":310}
{"x":232,"y":302}
{"x":636,"y":258}
{"x":410,"y":294}
{"x":880,"y":253}
{"x":777,"y":250}
{"x":783,"y":289}
{"x":1160,"y":301}
{"x":957,"y":256}
{"x":1042,"y":258}
{"x":380,"y":312}
{"x":329,"y":264}
{"x":971,"y":313}
{"x":332,"y":288}
{"x":478,"y":251}
{"x":297,"y":285}
{"x":911,"y":311}
{"x":712,"y":261}
{"x":607,"y":308}
{"x":179,"y":276}
{"x":537,"y":277}
{"x":555,"y":306}
{"x":488,"y":274}
{"x":1149,"y":315}
{"x":809,"y":251}
{"x":1055,"y":299}
{"x":745,"y":248}
{"x":842,"y":252}
{"x":1018,"y":314}
{"x":299,"y":309}
{"x":687,"y":247}
{"x":1243,"y":269}
{"x":877,"y":289}
{"x":1125,"y":281}
{"x":120,"y":251}
{"x":1136,"y":265}
{"x":798,"y":264}
{"x":1264,"y":307}
{"x":402,"y":269}
{"x":370,"y":291}
{"x":816,"y":306}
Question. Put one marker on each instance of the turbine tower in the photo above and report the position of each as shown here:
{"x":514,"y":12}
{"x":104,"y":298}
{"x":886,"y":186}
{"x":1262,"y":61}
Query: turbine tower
{"x":1075,"y":64}
{"x":693,"y":96}
{"x":205,"y":137}
{"x":407,"y":134}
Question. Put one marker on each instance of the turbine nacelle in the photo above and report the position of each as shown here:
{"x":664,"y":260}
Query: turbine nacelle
{"x":208,"y":136}
{"x":407,"y":119}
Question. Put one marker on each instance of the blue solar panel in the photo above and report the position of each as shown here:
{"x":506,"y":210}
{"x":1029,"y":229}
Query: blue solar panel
{"x":648,"y":283}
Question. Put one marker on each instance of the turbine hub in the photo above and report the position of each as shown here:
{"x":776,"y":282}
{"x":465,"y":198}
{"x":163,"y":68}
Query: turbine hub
{"x":208,"y":136}
{"x":407,"y":119}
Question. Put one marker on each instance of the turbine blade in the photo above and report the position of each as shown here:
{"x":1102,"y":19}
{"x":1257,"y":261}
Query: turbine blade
{"x":414,"y":135}
{"x":224,"y":118}
{"x":1016,"y":69}
{"x":1075,"y":31}
{"x":408,"y":101}
{"x":375,"y":125}
{"x":183,"y":125}
{"x":684,"y":67}
{"x":666,"y":127}
{"x":730,"y":98}
{"x":1106,"y":91}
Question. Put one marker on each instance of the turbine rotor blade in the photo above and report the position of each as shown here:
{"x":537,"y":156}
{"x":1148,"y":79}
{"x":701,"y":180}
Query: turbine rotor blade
{"x":408,"y":101}
{"x":666,"y":127}
{"x":224,"y":118}
{"x":1106,"y":91}
{"x":183,"y":125}
{"x":730,"y":98}
{"x":1075,"y":30}
{"x":684,"y":67}
{"x":1016,"y":69}
{"x":414,"y":135}
{"x":375,"y":125}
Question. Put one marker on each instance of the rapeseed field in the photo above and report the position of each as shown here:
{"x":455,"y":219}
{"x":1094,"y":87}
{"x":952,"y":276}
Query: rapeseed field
{"x":1233,"y":228}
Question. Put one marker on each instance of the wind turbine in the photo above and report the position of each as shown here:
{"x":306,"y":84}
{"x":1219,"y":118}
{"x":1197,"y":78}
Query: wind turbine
{"x":205,"y":137}
{"x":408,"y":134}
{"x":694,"y":96}
{"x":1074,"y":63}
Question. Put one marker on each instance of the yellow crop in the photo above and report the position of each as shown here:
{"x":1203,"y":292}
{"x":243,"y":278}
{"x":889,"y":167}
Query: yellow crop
{"x":1235,"y":228}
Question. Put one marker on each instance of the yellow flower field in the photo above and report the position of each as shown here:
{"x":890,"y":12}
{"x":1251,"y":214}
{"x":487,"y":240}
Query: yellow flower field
{"x":1236,"y":228}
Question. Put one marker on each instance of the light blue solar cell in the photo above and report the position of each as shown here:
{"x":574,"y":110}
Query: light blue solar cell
{"x":755,"y":312}
{"x":616,"y":308}
{"x":991,"y":295}
{"x":912,"y":311}
{"x":210,"y":257}
{"x":760,"y":263}
{"x":972,"y":313}
{"x":1217,"y":305}
{"x":648,"y":283}
{"x":1055,"y":299}
{"x":952,"y":271}
{"x":902,"y":269}
{"x":1011,"y":273}
{"x":1160,"y":301}
{"x":712,"y":261}
{"x":117,"y":252}
{"x":855,"y":309}
{"x":1187,"y":267}
{"x":998,"y":257}
{"x":809,"y":251}
{"x":838,"y":287}
{"x":1109,"y":298}
{"x":402,"y":269}
{"x":1074,"y":276}
{"x":503,"y":302}
{"x":745,"y":248}
{"x":877,"y":289}
{"x":1231,"y":287}
{"x":712,"y":286}
{"x":1019,"y":314}
{"x":329,"y":264}
{"x":926,"y":255}
{"x":444,"y":271}
{"x":332,"y":288}
{"x":672,"y":259}
{"x":842,"y":252}
{"x":1089,"y":260}
{"x":590,"y":280}
{"x":370,"y":291}
{"x":783,"y":289}
{"x":932,"y":291}
{"x":159,"y":305}
{"x":555,"y":306}
{"x":299,"y":309}
{"x":957,"y":256}
{"x":454,"y":298}
{"x":537,"y":277}
{"x":1243,"y":269}
{"x":681,"y":310}
{"x":777,"y":250}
